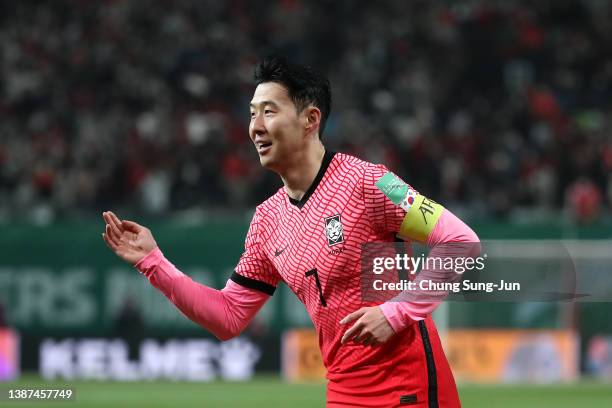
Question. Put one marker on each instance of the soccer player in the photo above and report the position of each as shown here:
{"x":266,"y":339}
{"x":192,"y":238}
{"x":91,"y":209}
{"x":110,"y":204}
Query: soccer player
{"x":309,"y":234}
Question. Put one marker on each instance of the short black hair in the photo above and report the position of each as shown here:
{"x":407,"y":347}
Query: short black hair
{"x":305,"y":85}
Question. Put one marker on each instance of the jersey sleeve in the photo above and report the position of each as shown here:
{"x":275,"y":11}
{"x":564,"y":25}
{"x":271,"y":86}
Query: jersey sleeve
{"x":255,"y":270}
{"x":225,"y":313}
{"x":385,"y":216}
{"x":396,"y":207}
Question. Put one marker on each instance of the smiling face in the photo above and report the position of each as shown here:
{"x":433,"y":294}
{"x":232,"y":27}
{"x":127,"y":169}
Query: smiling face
{"x":276,"y":128}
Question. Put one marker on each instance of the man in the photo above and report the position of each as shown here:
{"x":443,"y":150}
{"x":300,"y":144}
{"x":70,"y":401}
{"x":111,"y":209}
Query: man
{"x":309,"y":235}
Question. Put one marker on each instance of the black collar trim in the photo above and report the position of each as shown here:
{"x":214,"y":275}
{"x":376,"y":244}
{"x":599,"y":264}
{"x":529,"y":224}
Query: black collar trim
{"x":327,"y":158}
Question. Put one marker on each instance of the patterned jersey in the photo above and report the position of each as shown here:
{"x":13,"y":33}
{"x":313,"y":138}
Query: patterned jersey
{"x":314,"y":246}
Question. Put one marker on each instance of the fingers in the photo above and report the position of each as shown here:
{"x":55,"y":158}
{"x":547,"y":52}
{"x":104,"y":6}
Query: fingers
{"x":367,"y":340}
{"x":362,"y":330}
{"x":108,"y":242}
{"x":115,"y":232}
{"x":353,"y":316}
{"x":128,"y":239}
{"x":111,"y":236}
{"x":115,"y":229}
{"x":131,"y":226}
{"x":354,"y":330}
{"x":121,"y":230}
{"x":360,"y":334}
{"x":115,"y":220}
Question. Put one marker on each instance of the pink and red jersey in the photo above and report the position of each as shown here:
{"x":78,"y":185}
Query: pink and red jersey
{"x":314,"y":246}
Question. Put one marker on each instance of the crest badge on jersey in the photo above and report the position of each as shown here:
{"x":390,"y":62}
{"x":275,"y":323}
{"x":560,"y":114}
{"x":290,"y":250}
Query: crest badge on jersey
{"x":333,"y":230}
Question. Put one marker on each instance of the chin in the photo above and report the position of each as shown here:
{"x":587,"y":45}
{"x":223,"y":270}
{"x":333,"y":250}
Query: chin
{"x":265,"y":161}
{"x":268,"y":162}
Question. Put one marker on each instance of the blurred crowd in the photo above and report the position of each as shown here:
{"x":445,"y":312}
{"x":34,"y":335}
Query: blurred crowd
{"x":494,"y":108}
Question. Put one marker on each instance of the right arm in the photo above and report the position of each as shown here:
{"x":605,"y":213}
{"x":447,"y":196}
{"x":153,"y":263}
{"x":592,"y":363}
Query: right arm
{"x":225,"y":313}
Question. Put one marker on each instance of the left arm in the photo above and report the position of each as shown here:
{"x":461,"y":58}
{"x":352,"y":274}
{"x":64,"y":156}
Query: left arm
{"x":426,"y":222}
{"x":376,"y":324}
{"x":448,"y":230}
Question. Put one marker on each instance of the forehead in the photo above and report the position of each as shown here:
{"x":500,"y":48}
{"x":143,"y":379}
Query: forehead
{"x":271,"y":92}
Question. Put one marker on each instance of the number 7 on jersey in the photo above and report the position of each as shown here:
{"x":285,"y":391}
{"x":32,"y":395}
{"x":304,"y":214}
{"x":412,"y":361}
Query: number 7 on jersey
{"x":318,"y":282}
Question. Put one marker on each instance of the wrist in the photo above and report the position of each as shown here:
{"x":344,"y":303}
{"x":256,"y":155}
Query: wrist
{"x":396,"y":316}
{"x":149,"y":261}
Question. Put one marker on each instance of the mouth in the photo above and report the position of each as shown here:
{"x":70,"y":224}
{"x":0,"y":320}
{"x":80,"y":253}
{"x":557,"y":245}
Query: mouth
{"x":263,"y":147}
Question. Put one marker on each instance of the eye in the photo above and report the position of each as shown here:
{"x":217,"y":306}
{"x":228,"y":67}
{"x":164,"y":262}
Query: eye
{"x":268,"y":111}
{"x":252,"y":115}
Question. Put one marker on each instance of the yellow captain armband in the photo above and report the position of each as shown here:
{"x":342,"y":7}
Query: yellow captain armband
{"x":422,"y":214}
{"x":421,"y":219}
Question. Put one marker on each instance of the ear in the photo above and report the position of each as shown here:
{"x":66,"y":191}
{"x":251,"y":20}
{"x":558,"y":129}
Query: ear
{"x":312,"y":116}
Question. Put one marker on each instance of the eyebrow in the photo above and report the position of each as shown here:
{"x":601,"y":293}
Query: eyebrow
{"x":263,"y":103}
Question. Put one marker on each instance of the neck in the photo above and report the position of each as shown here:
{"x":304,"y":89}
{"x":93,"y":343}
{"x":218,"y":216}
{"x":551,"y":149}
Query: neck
{"x":299,"y":176}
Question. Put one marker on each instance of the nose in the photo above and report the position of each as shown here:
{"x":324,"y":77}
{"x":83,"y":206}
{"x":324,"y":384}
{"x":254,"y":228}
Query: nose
{"x":257,"y":126}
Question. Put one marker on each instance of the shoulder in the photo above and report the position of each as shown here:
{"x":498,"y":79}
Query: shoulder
{"x":271,"y":205}
{"x":347,"y":161}
{"x":264,"y":218}
{"x":364,"y":169}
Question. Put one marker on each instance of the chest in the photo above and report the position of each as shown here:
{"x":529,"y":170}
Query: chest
{"x":323,"y":238}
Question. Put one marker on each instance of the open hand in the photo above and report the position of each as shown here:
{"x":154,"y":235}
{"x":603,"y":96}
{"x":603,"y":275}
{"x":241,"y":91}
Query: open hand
{"x":130,"y":241}
{"x":371,"y":327}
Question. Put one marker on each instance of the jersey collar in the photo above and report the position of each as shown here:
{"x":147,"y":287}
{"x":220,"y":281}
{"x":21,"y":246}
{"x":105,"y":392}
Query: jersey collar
{"x":327,"y":158}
